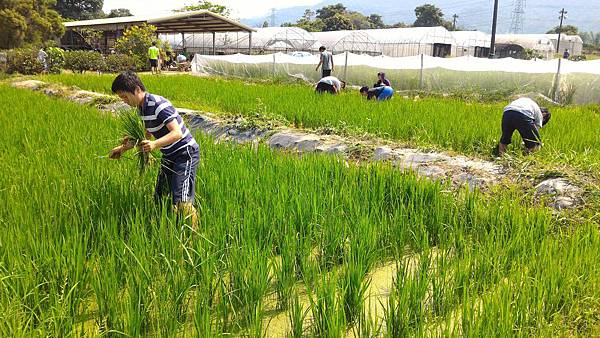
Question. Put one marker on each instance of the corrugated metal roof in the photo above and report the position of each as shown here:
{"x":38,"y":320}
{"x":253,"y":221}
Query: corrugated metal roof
{"x":185,"y":21}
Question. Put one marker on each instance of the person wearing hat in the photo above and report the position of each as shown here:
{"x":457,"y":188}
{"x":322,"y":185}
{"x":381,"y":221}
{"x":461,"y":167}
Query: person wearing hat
{"x":382,"y":80}
{"x":526,"y":116}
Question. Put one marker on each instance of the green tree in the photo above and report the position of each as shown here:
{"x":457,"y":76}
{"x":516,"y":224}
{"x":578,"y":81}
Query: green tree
{"x":376,"y":21}
{"x":80,"y":9}
{"x":337,"y":22}
{"x":135,"y":42}
{"x":428,"y":16}
{"x":330,"y":11}
{"x":567,"y":29}
{"x":208,"y":6}
{"x":358,"y":20}
{"x":265,"y":24}
{"x":119,"y":12}
{"x":28,"y":21}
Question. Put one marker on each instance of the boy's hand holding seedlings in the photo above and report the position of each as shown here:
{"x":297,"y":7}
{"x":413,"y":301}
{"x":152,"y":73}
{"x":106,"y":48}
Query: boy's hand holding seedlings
{"x":126,"y":144}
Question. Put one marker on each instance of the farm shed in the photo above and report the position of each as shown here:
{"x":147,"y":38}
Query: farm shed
{"x":264,"y":41}
{"x":516,"y":45}
{"x":180,"y":24}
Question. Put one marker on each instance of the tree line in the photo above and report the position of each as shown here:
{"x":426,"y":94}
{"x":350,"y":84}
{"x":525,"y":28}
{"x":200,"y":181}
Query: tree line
{"x":338,"y":17}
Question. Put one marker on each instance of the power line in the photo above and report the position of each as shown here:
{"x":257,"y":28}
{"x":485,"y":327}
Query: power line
{"x":518,"y":16}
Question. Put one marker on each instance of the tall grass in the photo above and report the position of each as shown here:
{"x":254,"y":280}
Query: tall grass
{"x":85,"y":251}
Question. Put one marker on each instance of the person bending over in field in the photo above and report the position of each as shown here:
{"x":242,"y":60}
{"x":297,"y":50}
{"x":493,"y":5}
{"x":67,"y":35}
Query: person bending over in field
{"x":180,"y":152}
{"x":379,"y":93}
{"x":330,"y":84}
{"x":528,"y":118}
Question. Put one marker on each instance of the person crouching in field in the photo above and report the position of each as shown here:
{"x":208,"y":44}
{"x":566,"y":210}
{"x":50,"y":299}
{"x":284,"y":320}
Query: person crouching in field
{"x":382,"y":80}
{"x":380,"y":93}
{"x":180,"y":152}
{"x":330,"y":84}
{"x":528,"y":118}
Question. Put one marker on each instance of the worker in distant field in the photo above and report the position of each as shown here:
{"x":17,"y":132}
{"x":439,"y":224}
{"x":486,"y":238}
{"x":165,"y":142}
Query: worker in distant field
{"x":180,"y":152}
{"x":43,"y":59}
{"x":330,"y":84}
{"x":528,"y":118}
{"x":566,"y":54}
{"x":379,"y":93}
{"x":154,"y":57}
{"x":325,"y":62}
{"x":382,"y":80}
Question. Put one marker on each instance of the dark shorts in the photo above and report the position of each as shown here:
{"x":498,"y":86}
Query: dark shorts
{"x":177,"y":175}
{"x":326,"y":73}
{"x":513,"y":120}
{"x":324,"y":87}
{"x":153,"y":63}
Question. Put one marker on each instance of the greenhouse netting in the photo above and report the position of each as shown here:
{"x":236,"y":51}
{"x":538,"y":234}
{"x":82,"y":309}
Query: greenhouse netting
{"x":578,"y":81}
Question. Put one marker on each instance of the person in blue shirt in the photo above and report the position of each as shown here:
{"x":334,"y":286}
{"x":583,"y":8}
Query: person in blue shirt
{"x":180,"y":152}
{"x":379,"y":93}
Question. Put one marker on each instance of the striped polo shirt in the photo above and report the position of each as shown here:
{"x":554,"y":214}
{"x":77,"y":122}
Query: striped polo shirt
{"x":156,"y":113}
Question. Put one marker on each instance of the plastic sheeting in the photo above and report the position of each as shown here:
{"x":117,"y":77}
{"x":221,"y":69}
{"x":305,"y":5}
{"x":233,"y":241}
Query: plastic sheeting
{"x":577,"y":79}
{"x":465,"y":63}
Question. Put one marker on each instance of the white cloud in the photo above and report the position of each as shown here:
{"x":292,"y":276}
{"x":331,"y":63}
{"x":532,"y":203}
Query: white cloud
{"x":241,"y":8}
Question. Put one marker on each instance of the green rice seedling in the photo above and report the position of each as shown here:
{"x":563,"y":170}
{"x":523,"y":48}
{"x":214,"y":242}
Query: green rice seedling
{"x":296,"y":316}
{"x":284,"y":271}
{"x":135,"y":132}
{"x":327,"y":309}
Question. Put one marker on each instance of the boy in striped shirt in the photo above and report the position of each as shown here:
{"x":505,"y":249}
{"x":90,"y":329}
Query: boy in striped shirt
{"x":177,"y":175}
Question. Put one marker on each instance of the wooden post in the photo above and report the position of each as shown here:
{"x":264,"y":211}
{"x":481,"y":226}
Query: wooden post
{"x":250,"y":43}
{"x":346,"y":68}
{"x":214,"y":49}
{"x":421,"y":75}
{"x":556,"y":95}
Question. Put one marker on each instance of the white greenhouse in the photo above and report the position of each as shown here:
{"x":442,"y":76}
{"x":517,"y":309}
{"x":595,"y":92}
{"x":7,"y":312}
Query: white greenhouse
{"x":471,"y":43}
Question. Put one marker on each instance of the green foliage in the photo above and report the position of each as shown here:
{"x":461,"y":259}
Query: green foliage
{"x":336,"y":17}
{"x":80,"y":9}
{"x":116,"y":63}
{"x":428,"y":16}
{"x":466,"y":263}
{"x":56,"y":59}
{"x":80,"y":61}
{"x":28,"y":21}
{"x":566,"y":29}
{"x":135,"y":42}
{"x":119,"y":12}
{"x":429,"y":121}
{"x":338,"y":22}
{"x":208,"y":6}
{"x":24,"y":61}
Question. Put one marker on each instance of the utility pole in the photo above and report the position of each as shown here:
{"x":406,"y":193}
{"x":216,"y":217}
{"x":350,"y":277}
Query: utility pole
{"x":492,"y":54}
{"x":454,"y":17}
{"x":562,"y":13}
{"x":272,"y":17}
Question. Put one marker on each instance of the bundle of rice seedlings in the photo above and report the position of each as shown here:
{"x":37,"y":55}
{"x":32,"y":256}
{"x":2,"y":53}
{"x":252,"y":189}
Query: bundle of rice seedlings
{"x":135,"y":131}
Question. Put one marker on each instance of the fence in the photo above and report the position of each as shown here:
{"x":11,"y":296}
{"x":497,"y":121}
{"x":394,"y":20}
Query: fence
{"x":574,"y":81}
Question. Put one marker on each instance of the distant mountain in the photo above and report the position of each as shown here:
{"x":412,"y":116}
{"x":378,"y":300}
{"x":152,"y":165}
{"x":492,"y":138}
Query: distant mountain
{"x":540,"y":15}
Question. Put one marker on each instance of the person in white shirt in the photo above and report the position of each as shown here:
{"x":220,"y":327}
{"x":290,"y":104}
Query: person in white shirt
{"x":525,"y":116}
{"x":330,"y":84}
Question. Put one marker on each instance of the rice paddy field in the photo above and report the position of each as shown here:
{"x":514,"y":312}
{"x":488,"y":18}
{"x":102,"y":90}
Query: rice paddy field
{"x":472,"y":128}
{"x":287,"y":246}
